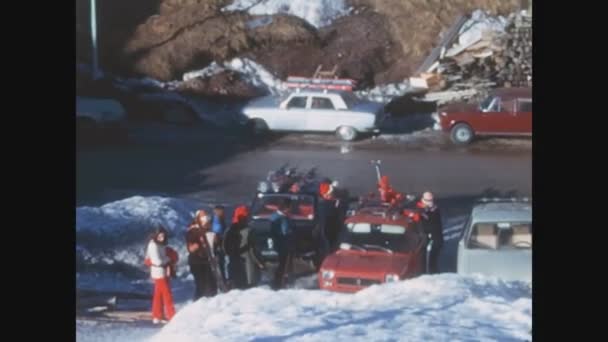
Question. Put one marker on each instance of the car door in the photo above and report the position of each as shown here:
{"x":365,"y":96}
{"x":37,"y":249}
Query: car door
{"x":294,"y":116}
{"x":323,"y":115}
{"x":499,"y":117}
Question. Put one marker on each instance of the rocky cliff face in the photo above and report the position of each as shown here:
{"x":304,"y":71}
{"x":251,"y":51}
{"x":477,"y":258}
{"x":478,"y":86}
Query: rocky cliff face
{"x":379,"y":41}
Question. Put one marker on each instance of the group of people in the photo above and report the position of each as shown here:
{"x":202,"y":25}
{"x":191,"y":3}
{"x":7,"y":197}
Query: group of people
{"x":211,"y":242}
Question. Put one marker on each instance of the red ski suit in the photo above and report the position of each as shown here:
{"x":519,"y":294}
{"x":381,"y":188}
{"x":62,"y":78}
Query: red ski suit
{"x":159,"y":271}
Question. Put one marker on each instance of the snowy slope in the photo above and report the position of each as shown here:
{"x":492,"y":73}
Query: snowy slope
{"x":114,"y":235}
{"x":317,"y":12}
{"x":446,"y":307}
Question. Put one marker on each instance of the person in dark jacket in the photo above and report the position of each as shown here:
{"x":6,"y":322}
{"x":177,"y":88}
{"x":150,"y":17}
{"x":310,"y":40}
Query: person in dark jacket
{"x":198,"y":260}
{"x":282,"y":231}
{"x":431,"y":223}
{"x":235,"y":246}
{"x":218,"y":226}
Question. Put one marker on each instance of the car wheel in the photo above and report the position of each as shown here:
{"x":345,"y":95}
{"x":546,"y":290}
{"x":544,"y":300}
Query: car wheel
{"x":346,"y":133}
{"x":462,"y":134}
{"x":259,"y":126}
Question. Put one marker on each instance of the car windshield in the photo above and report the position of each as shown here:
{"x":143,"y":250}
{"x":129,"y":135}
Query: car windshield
{"x":501,"y":235}
{"x":379,"y":237}
{"x":302,"y":206}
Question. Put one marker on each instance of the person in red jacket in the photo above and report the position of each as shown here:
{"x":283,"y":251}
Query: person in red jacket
{"x":160,"y":272}
{"x":387,"y":194}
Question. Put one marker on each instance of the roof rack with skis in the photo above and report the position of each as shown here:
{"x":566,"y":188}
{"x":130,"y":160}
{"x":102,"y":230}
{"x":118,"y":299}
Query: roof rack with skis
{"x":321,"y":80}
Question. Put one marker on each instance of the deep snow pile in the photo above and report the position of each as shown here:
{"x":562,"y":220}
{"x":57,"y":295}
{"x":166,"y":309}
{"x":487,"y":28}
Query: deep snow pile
{"x":429,"y":308}
{"x":252,"y":72}
{"x":113,"y":237}
{"x":318,"y":13}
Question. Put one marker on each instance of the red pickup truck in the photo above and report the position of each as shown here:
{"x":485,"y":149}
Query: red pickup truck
{"x":505,"y":112}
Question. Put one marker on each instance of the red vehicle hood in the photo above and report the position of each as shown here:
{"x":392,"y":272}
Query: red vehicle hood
{"x":459,"y":108}
{"x":370,"y":264}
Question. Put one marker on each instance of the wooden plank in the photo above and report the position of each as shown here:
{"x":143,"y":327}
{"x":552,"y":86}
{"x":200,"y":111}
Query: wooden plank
{"x":446,"y":41}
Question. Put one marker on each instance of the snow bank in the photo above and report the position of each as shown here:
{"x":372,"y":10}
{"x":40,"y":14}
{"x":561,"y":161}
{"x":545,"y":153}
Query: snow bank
{"x":113,"y":237}
{"x":385,"y":93}
{"x":253,"y":73}
{"x":318,"y":13}
{"x":438,"y":308}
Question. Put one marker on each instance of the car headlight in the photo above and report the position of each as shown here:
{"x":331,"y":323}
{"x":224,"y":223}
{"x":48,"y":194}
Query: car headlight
{"x":327,"y":274}
{"x":391,"y":278}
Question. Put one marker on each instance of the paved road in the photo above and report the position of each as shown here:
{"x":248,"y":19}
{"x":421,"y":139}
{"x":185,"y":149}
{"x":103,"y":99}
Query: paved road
{"x":228,"y":169}
{"x":189,"y":164}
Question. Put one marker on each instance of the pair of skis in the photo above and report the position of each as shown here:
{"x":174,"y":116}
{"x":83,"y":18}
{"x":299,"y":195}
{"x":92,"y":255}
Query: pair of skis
{"x":209,"y":240}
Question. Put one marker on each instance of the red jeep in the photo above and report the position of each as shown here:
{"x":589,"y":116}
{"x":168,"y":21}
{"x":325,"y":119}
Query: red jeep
{"x":380,"y":244}
{"x":506,"y":111}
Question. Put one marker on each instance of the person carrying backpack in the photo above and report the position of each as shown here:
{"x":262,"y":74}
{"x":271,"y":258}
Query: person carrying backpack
{"x":198,"y":256}
{"x":160,"y":272}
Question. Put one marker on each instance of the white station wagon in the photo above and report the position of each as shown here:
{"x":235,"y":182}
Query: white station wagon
{"x":497,"y":240}
{"x":316,"y":111}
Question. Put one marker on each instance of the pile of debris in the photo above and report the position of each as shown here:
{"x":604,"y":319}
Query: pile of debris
{"x":479,"y":53}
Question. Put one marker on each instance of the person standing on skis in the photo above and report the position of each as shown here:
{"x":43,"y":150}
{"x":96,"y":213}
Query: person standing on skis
{"x":282,"y":231}
{"x":160,"y":273}
{"x":198,"y":260}
{"x":431,"y":223}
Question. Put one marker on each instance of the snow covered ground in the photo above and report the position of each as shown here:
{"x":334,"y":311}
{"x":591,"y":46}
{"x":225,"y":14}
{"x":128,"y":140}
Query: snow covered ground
{"x":111,"y":239}
{"x":428,"y":308}
{"x":317,"y":12}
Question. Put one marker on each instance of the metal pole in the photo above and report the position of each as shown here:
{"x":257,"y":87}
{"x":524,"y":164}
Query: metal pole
{"x":94,"y":38}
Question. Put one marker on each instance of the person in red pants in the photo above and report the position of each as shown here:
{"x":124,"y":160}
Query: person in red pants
{"x":160,"y":272}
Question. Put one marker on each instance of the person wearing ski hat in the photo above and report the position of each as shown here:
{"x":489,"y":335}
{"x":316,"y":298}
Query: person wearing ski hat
{"x":198,"y":260}
{"x":160,"y":273}
{"x":235,"y":246}
{"x":326,"y":208}
{"x":430,"y":217}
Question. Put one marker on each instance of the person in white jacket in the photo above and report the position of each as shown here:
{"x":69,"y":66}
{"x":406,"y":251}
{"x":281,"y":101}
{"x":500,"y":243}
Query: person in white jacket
{"x":160,"y":273}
